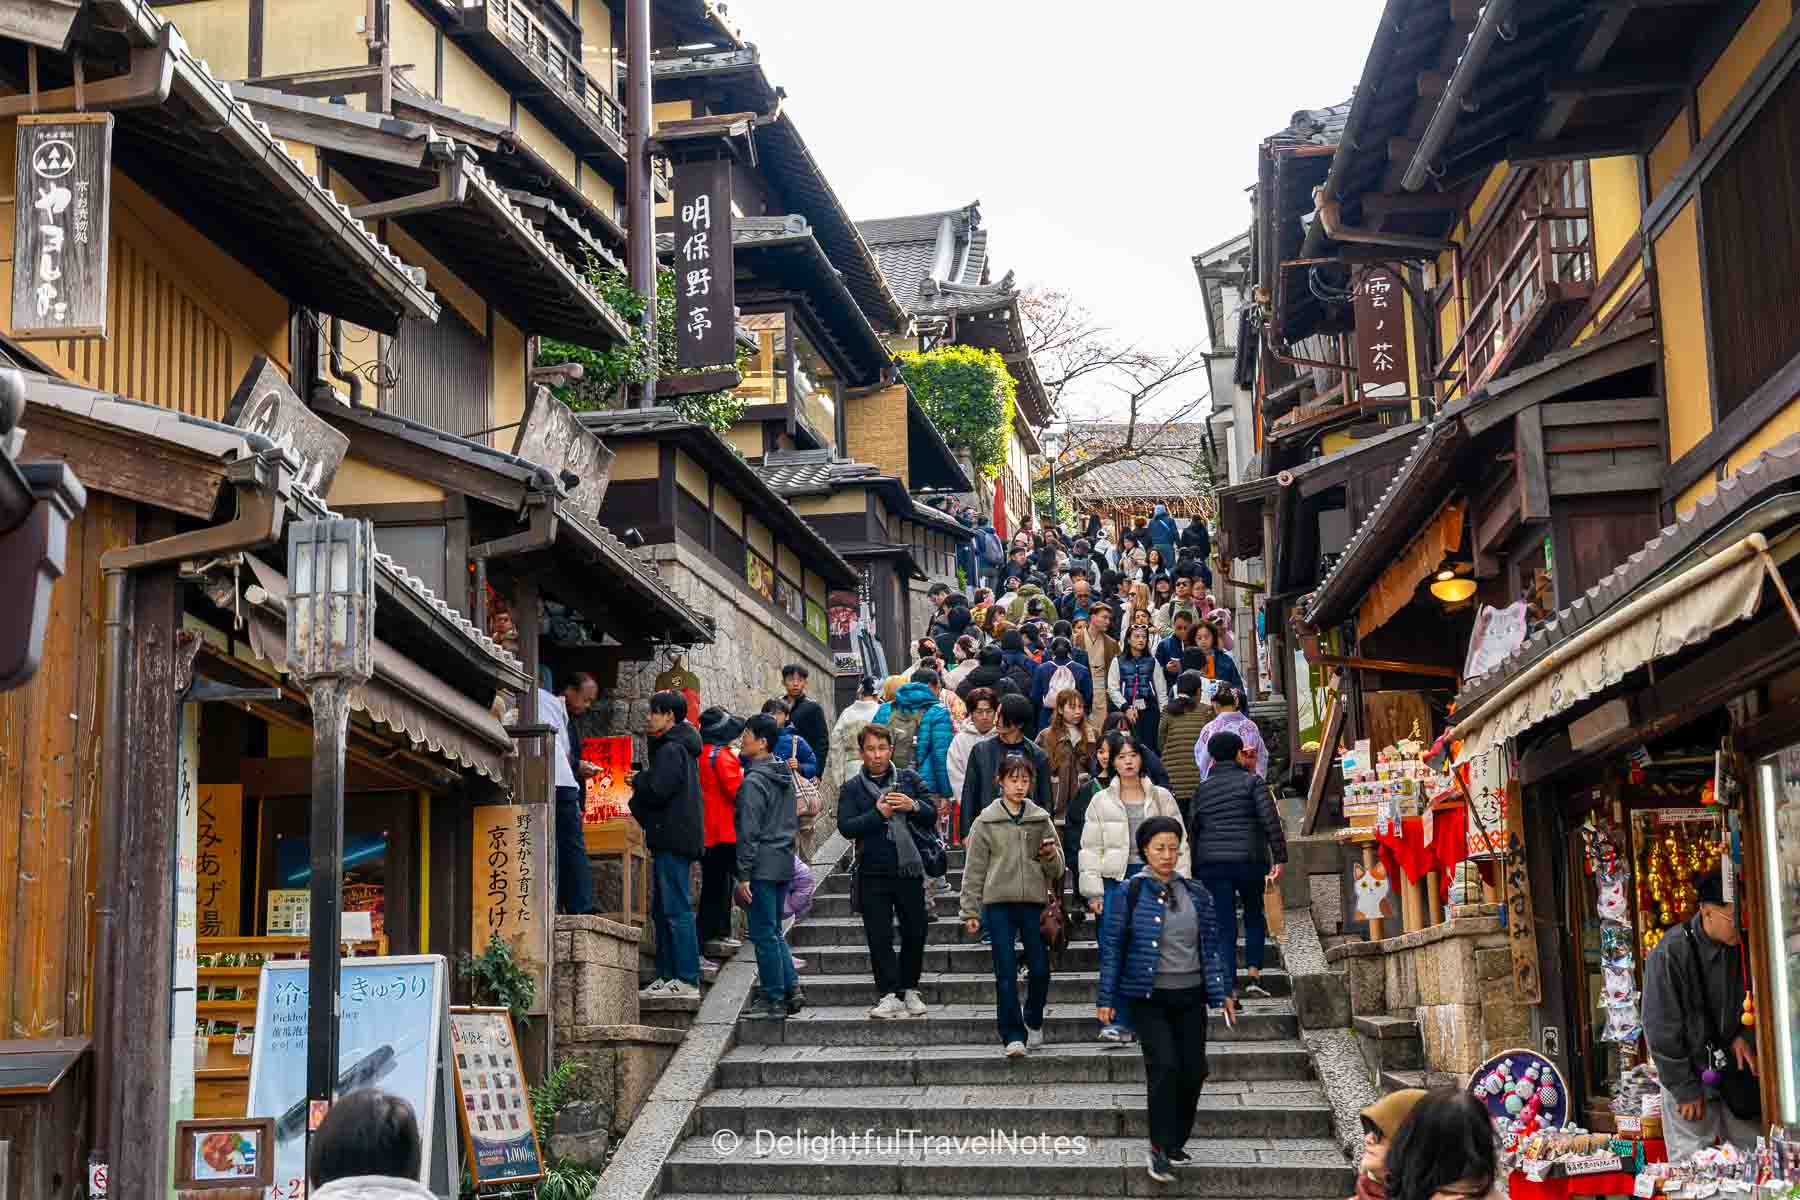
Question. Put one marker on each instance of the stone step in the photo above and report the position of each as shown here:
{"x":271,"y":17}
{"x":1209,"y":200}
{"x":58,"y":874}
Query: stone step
{"x":669,"y":1012}
{"x":1231,"y":1064}
{"x":851,"y":1025}
{"x":1389,"y":1043}
{"x":848,"y":931}
{"x":839,"y":883}
{"x":1222,"y":1167}
{"x":1072,"y":987}
{"x":967,"y":957}
{"x":1094,"y":1110}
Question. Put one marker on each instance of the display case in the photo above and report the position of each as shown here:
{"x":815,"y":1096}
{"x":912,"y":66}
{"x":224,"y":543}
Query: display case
{"x":1778,"y":801}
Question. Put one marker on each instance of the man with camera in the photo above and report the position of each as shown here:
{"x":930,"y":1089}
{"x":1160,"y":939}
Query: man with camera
{"x":887,"y":812}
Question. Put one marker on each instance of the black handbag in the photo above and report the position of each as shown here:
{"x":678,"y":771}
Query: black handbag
{"x":1738,"y":1089}
{"x":932,"y":854}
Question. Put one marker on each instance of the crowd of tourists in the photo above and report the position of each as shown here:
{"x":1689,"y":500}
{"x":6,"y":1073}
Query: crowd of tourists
{"x":1075,"y":719}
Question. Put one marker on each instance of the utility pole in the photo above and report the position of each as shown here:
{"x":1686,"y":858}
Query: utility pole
{"x":640,"y":247}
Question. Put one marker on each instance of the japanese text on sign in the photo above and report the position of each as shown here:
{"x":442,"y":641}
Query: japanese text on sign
{"x":1381,"y":354}
{"x":705,"y":292}
{"x":62,"y":179}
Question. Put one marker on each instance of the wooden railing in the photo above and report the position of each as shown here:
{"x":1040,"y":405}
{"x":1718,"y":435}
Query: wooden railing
{"x":529,"y":37}
{"x":1538,"y":255}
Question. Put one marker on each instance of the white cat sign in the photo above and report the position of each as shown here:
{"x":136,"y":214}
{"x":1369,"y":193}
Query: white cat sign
{"x":1374,"y":894}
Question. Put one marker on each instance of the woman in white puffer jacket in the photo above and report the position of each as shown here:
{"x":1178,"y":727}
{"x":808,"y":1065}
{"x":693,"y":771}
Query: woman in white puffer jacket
{"x":1109,"y":853}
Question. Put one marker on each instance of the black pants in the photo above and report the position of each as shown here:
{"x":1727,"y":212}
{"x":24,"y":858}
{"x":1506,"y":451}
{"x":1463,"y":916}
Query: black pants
{"x":1171,"y":1029}
{"x":884,"y":898}
{"x":718,"y":870}
{"x":574,"y":875}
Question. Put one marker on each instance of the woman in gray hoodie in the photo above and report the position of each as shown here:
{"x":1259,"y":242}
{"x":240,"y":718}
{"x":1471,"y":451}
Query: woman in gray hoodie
{"x":1014,"y":857}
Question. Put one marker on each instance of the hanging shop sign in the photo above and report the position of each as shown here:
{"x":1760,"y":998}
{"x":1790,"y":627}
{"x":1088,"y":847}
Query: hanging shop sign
{"x":62,"y":182}
{"x":499,"y":1135}
{"x":392,"y":1034}
{"x":1485,"y":781}
{"x":705,"y":286}
{"x":552,"y":436}
{"x":1497,"y":633}
{"x":219,"y":859}
{"x":1381,"y":353}
{"x":265,"y":405}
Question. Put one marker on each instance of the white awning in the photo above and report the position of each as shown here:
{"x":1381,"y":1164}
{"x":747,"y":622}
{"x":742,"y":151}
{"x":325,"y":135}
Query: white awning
{"x":1681,"y":612}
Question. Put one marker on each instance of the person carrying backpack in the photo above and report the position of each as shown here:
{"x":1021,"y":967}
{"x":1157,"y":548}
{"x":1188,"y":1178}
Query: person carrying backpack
{"x":922,"y":730}
{"x":1238,"y":844}
{"x":1056,"y":675}
{"x":1016,"y":664}
{"x":721,"y":774}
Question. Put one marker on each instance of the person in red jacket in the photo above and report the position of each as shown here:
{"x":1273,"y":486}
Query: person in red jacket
{"x":720,"y":775}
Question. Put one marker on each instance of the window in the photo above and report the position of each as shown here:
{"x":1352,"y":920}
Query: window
{"x":787,"y":365}
{"x":444,"y":378}
{"x":1751,"y":248}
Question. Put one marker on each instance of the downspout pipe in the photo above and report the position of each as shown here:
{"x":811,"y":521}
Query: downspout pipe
{"x":1330,"y":213}
{"x":1495,"y":21}
{"x":336,"y":366}
{"x":263,"y":487}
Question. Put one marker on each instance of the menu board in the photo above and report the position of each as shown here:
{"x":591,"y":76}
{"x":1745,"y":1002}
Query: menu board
{"x":290,"y":912}
{"x":491,"y":1095}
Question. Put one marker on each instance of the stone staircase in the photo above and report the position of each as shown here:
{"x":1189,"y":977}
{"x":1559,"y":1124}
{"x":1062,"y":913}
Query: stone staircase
{"x":1067,"y":1120}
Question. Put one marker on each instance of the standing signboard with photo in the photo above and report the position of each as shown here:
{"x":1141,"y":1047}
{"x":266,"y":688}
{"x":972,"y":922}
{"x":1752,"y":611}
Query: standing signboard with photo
{"x":499,"y":1135}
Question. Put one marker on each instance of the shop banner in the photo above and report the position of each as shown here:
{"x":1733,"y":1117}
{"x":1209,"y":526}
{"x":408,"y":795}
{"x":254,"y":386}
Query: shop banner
{"x":1485,"y":776}
{"x":63,"y":184}
{"x":705,"y":279}
{"x":392,"y":1034}
{"x":498,"y":1132}
{"x":219,"y":861}
{"x":608,"y":795}
{"x":510,"y":897}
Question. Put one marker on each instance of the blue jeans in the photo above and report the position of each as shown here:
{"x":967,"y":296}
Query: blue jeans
{"x":574,"y":876}
{"x":1228,"y":882}
{"x":774,"y":961}
{"x":1006,"y":922}
{"x":1115,"y":894}
{"x":672,"y":916}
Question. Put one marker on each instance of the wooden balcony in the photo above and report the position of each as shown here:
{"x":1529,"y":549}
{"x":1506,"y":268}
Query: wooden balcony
{"x":510,"y":38}
{"x":1528,"y":277}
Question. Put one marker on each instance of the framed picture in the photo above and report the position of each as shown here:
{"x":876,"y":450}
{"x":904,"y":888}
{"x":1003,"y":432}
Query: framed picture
{"x":224,"y":1152}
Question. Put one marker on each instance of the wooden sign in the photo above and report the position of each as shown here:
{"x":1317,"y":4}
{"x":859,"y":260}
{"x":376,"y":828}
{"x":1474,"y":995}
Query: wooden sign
{"x":499,"y":1135}
{"x":512,"y":885}
{"x":552,"y":436}
{"x":705,"y":286}
{"x":1321,"y":772}
{"x":62,"y":181}
{"x":1521,"y":919}
{"x":225,"y":1154}
{"x":219,"y":859}
{"x":1381,"y":352}
{"x":265,"y":405}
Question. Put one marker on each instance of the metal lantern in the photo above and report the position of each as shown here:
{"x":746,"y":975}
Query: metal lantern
{"x":331,"y":600}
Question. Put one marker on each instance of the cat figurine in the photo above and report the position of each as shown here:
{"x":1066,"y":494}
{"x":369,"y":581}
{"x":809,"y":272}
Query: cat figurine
{"x":1374,"y":897}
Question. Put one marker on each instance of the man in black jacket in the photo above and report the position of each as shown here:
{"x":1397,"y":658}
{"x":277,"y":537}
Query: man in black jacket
{"x":881,"y":808}
{"x":665,"y":801}
{"x":806,"y":715}
{"x":982,"y":781}
{"x":1236,"y":841}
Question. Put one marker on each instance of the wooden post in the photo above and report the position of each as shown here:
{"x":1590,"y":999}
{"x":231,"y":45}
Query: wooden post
{"x":1521,"y":920}
{"x":1412,"y":905}
{"x":1434,"y":898}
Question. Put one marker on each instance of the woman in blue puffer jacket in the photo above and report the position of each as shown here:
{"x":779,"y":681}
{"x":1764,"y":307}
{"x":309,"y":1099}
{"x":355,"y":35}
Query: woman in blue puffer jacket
{"x":1161,"y":953}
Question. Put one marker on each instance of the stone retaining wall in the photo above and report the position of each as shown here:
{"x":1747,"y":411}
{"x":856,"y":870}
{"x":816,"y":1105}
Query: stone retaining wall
{"x":1451,"y":978}
{"x":595,"y":1004}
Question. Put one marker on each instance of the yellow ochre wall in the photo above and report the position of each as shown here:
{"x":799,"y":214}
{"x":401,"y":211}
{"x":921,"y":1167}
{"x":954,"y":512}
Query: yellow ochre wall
{"x":1682,"y":317}
{"x":508,"y":354}
{"x":359,"y":482}
{"x":414,"y":39}
{"x":312,"y":36}
{"x":219,"y":32}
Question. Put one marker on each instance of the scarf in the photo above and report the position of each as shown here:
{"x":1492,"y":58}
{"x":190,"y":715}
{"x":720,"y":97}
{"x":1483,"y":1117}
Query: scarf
{"x":905,"y":849}
{"x":1369,"y":1188}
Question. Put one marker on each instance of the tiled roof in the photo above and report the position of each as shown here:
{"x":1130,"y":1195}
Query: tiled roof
{"x":1163,"y":470}
{"x":907,"y":248}
{"x":818,"y":472}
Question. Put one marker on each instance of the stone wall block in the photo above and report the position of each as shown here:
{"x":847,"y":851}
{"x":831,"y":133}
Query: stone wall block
{"x":1452,"y":1037}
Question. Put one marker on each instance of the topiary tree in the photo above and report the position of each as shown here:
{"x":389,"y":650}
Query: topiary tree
{"x":968,"y":394}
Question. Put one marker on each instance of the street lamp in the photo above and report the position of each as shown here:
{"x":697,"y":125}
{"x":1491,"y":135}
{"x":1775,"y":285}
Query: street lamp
{"x":1052,"y":446}
{"x":330,"y":651}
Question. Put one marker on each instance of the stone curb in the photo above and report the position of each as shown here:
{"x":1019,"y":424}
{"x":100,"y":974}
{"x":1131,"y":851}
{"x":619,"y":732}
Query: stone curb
{"x":635,"y":1172}
{"x":1323,"y":995}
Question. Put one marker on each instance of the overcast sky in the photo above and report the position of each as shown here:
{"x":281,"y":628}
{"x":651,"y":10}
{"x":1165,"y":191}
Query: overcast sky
{"x":1107,"y":143}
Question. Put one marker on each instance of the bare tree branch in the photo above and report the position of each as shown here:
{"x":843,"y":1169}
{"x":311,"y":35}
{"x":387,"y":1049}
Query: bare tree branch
{"x":1069,"y":345}
{"x":1143,"y":382}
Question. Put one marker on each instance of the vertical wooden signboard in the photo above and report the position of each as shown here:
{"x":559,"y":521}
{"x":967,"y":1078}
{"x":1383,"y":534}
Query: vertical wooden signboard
{"x":705,"y":287}
{"x":552,"y":436}
{"x":510,"y":897}
{"x":1521,"y":919}
{"x":1381,"y":353}
{"x":62,"y":181}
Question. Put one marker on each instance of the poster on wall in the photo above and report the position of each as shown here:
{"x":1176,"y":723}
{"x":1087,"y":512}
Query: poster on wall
{"x":789,"y":599}
{"x":856,"y":647}
{"x":492,"y":1098}
{"x":608,"y":795}
{"x":816,"y":622}
{"x":391,"y":1035}
{"x":759,"y":575}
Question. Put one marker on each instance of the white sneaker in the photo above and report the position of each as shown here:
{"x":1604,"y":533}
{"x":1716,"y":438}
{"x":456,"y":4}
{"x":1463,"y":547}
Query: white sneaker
{"x":888,"y":1008}
{"x":1015,"y":1049}
{"x":732,"y":943}
{"x":1034,"y":1038}
{"x":656,"y":987}
{"x":915,"y":1004}
{"x":682,"y":988}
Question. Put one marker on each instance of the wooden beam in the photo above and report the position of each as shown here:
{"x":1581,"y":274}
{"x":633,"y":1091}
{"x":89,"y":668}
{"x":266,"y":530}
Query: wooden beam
{"x":1383,"y":204}
{"x":1388,"y":664}
{"x":125,"y":464}
{"x":1401,"y":150}
{"x":1589,"y":481}
{"x":347,"y":137}
{"x":1625,"y":141}
{"x":1431,"y":84}
{"x":1627,"y":81}
{"x":706,"y":381}
{"x":1542,"y":381}
{"x":1528,"y":462}
{"x":1602,"y":412}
